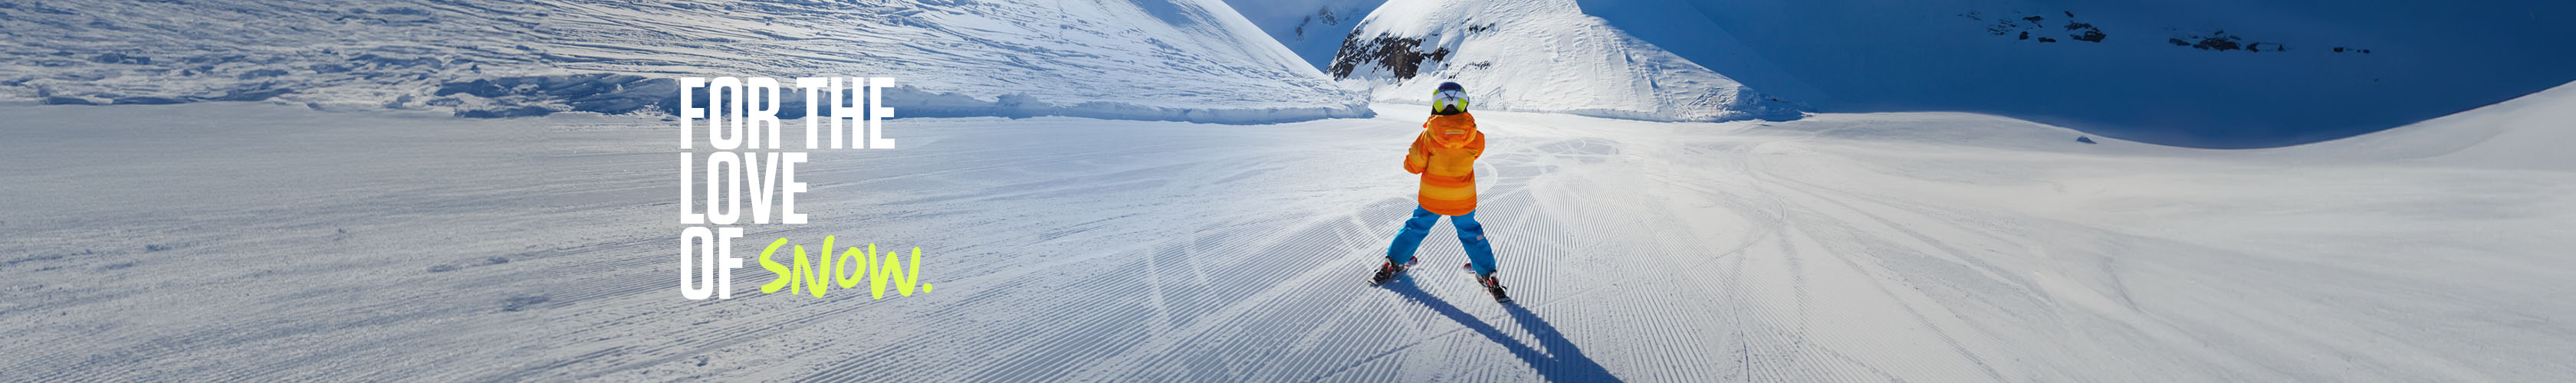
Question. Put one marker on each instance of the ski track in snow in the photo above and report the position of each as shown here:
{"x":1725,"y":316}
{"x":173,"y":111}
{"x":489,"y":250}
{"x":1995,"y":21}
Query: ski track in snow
{"x":1835,"y":248}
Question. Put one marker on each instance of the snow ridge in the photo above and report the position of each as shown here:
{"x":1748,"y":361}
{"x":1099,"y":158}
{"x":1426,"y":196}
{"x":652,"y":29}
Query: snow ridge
{"x":1190,"y":60}
{"x":2528,"y":132}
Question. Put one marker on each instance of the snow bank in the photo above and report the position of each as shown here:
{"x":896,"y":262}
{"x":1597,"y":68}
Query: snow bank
{"x":1183,"y":60}
{"x":1540,"y":56}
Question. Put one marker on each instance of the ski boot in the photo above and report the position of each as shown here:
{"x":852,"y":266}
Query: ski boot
{"x":1493,"y":286}
{"x":1388,"y":271}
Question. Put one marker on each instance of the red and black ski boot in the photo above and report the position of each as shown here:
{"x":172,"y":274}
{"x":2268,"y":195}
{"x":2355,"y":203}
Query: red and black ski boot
{"x":1389,"y":270}
{"x":1494,"y":286}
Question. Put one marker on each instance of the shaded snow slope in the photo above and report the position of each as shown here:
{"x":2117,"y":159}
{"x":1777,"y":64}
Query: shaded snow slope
{"x":1155,"y":59}
{"x":235,"y":241}
{"x":2203,"y":73}
{"x":1536,"y":55}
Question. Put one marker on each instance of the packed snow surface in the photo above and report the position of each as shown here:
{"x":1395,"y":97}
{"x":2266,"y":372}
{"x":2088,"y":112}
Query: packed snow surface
{"x":1187,"y":60}
{"x":1536,"y":55}
{"x":257,"y":242}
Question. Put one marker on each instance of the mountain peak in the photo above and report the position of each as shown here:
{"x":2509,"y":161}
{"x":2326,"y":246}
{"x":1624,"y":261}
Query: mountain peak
{"x":1536,"y":55}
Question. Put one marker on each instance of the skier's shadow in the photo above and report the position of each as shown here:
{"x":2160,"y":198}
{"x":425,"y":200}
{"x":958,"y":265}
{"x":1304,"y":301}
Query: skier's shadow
{"x":1555,"y":358}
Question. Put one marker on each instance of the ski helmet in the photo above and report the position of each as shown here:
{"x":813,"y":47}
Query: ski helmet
{"x":1450,"y":99}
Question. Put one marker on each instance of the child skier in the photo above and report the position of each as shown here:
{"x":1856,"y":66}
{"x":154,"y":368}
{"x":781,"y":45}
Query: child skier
{"x":1445,"y":155}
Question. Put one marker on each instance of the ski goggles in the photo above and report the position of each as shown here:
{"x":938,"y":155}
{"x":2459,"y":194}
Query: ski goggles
{"x":1449,"y":101}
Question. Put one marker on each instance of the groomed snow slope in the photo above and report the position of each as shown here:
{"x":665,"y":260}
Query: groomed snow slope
{"x":1193,"y":60}
{"x":231,"y":241}
{"x":1536,"y":55}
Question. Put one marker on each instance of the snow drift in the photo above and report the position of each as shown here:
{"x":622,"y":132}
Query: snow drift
{"x":1536,"y":55}
{"x":1193,"y":60}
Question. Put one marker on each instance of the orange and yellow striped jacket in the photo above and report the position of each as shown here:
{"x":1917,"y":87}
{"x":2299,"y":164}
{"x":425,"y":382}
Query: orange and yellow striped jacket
{"x":1445,"y":155}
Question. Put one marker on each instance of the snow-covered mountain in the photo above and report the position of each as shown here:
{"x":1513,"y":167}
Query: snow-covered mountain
{"x":2209,"y":73}
{"x":1194,"y":60}
{"x":1312,"y":28}
{"x":1536,"y":55}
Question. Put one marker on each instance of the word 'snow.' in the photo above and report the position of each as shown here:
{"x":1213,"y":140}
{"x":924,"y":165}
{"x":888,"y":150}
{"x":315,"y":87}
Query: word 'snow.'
{"x":816,"y":276}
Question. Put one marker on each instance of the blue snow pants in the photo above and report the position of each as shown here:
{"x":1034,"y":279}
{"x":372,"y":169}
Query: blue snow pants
{"x":1471,"y":235}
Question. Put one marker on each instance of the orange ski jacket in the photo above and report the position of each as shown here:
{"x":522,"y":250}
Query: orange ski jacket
{"x":1445,"y":155}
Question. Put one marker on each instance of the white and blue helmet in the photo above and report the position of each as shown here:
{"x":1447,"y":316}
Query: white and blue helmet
{"x":1450,"y":99}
